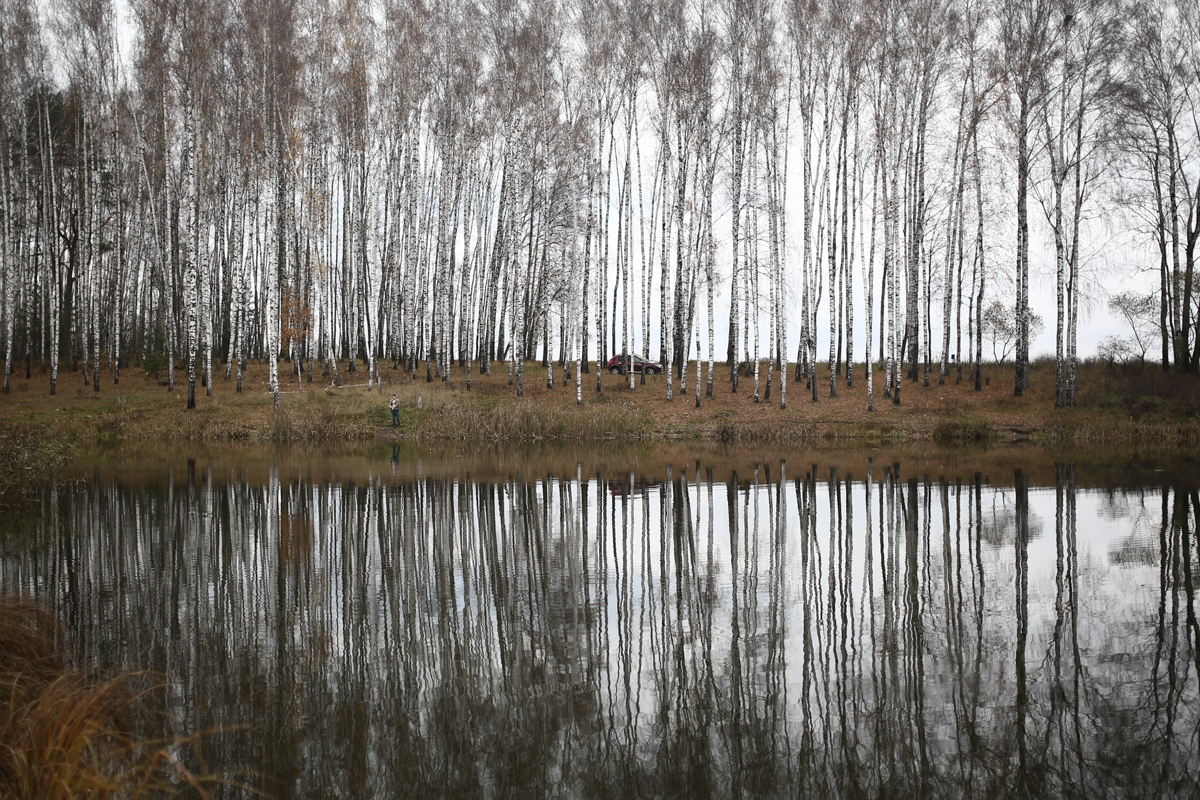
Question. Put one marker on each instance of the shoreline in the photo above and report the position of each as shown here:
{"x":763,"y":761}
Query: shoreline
{"x":139,"y":411}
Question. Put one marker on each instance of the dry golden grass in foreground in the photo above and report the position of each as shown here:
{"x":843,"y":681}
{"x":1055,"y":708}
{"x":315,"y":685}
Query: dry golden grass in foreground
{"x":1114,"y":405}
{"x":65,"y":734}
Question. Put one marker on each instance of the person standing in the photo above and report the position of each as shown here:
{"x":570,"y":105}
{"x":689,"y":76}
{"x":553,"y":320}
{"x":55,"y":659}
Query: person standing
{"x":394,"y":405}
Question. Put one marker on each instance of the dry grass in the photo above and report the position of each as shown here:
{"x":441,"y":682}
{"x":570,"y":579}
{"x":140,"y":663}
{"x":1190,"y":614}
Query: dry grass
{"x":63,"y":733}
{"x":29,"y":455}
{"x":513,"y":422}
{"x":1114,"y":407}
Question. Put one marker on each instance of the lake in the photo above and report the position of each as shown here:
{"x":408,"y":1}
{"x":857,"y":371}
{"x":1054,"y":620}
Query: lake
{"x":645,"y":622}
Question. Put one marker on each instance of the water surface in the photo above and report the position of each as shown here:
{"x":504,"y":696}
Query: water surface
{"x":649,"y":623}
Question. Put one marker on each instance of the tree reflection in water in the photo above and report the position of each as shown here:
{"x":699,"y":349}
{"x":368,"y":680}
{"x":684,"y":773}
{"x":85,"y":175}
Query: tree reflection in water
{"x":629,"y":635}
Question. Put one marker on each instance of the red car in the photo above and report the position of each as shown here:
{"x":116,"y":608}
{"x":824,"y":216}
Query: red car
{"x":617,"y":365}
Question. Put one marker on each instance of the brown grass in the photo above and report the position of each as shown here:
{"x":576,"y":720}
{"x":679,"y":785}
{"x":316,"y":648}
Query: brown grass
{"x":66,"y":734}
{"x":30,"y":453}
{"x":1115,"y":406}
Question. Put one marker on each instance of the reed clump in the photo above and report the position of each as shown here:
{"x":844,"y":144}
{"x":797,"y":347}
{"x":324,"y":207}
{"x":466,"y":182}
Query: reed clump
{"x":65,"y":734}
{"x":202,"y":426}
{"x":1106,"y":431}
{"x":509,"y":421}
{"x":29,"y":456}
{"x":964,"y":429}
{"x":742,"y":432}
{"x":805,"y":434}
{"x":318,"y":419}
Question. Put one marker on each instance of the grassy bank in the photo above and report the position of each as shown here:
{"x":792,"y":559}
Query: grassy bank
{"x":1115,"y":406}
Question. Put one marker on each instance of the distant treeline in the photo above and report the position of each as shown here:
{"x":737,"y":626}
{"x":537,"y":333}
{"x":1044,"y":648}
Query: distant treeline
{"x":495,"y":180}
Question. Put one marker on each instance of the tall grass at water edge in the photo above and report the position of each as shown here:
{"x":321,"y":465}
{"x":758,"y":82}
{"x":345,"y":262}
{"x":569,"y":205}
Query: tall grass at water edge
{"x":29,"y":456}
{"x":752,"y":432}
{"x":65,"y":733}
{"x":1090,"y":433}
{"x":509,"y":421}
{"x":964,"y":429}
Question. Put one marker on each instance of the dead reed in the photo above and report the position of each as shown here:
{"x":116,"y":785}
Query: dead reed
{"x":29,"y":455}
{"x":66,"y":734}
{"x":743,"y":432}
{"x":507,"y":421}
{"x":1136,"y":432}
{"x":964,"y":429}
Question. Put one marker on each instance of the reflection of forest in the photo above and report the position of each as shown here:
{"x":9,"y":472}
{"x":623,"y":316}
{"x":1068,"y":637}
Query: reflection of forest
{"x":771,"y":635}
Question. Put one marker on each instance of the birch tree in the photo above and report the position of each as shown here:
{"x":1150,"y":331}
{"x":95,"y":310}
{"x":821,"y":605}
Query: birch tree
{"x":1076,"y":133}
{"x":1160,"y":142}
{"x":1026,"y":50}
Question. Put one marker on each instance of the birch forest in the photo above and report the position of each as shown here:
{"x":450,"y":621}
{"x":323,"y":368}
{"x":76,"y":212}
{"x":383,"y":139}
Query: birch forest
{"x":443,"y":188}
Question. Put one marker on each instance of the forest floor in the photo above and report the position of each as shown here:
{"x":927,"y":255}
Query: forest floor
{"x":1114,"y":405}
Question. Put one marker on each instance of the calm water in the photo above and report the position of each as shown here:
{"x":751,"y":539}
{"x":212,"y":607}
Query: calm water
{"x":409,"y":624}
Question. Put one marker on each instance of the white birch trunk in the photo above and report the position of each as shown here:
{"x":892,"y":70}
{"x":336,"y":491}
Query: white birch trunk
{"x":709,"y":254}
{"x":869,"y":281}
{"x":666,"y":344}
{"x":207,"y":265}
{"x":9,"y":269}
{"x":189,"y":240}
{"x":828,"y":179}
{"x":274,"y":241}
{"x":979,"y":261}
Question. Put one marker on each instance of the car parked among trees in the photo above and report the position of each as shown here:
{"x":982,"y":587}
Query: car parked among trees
{"x":618,"y":365}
